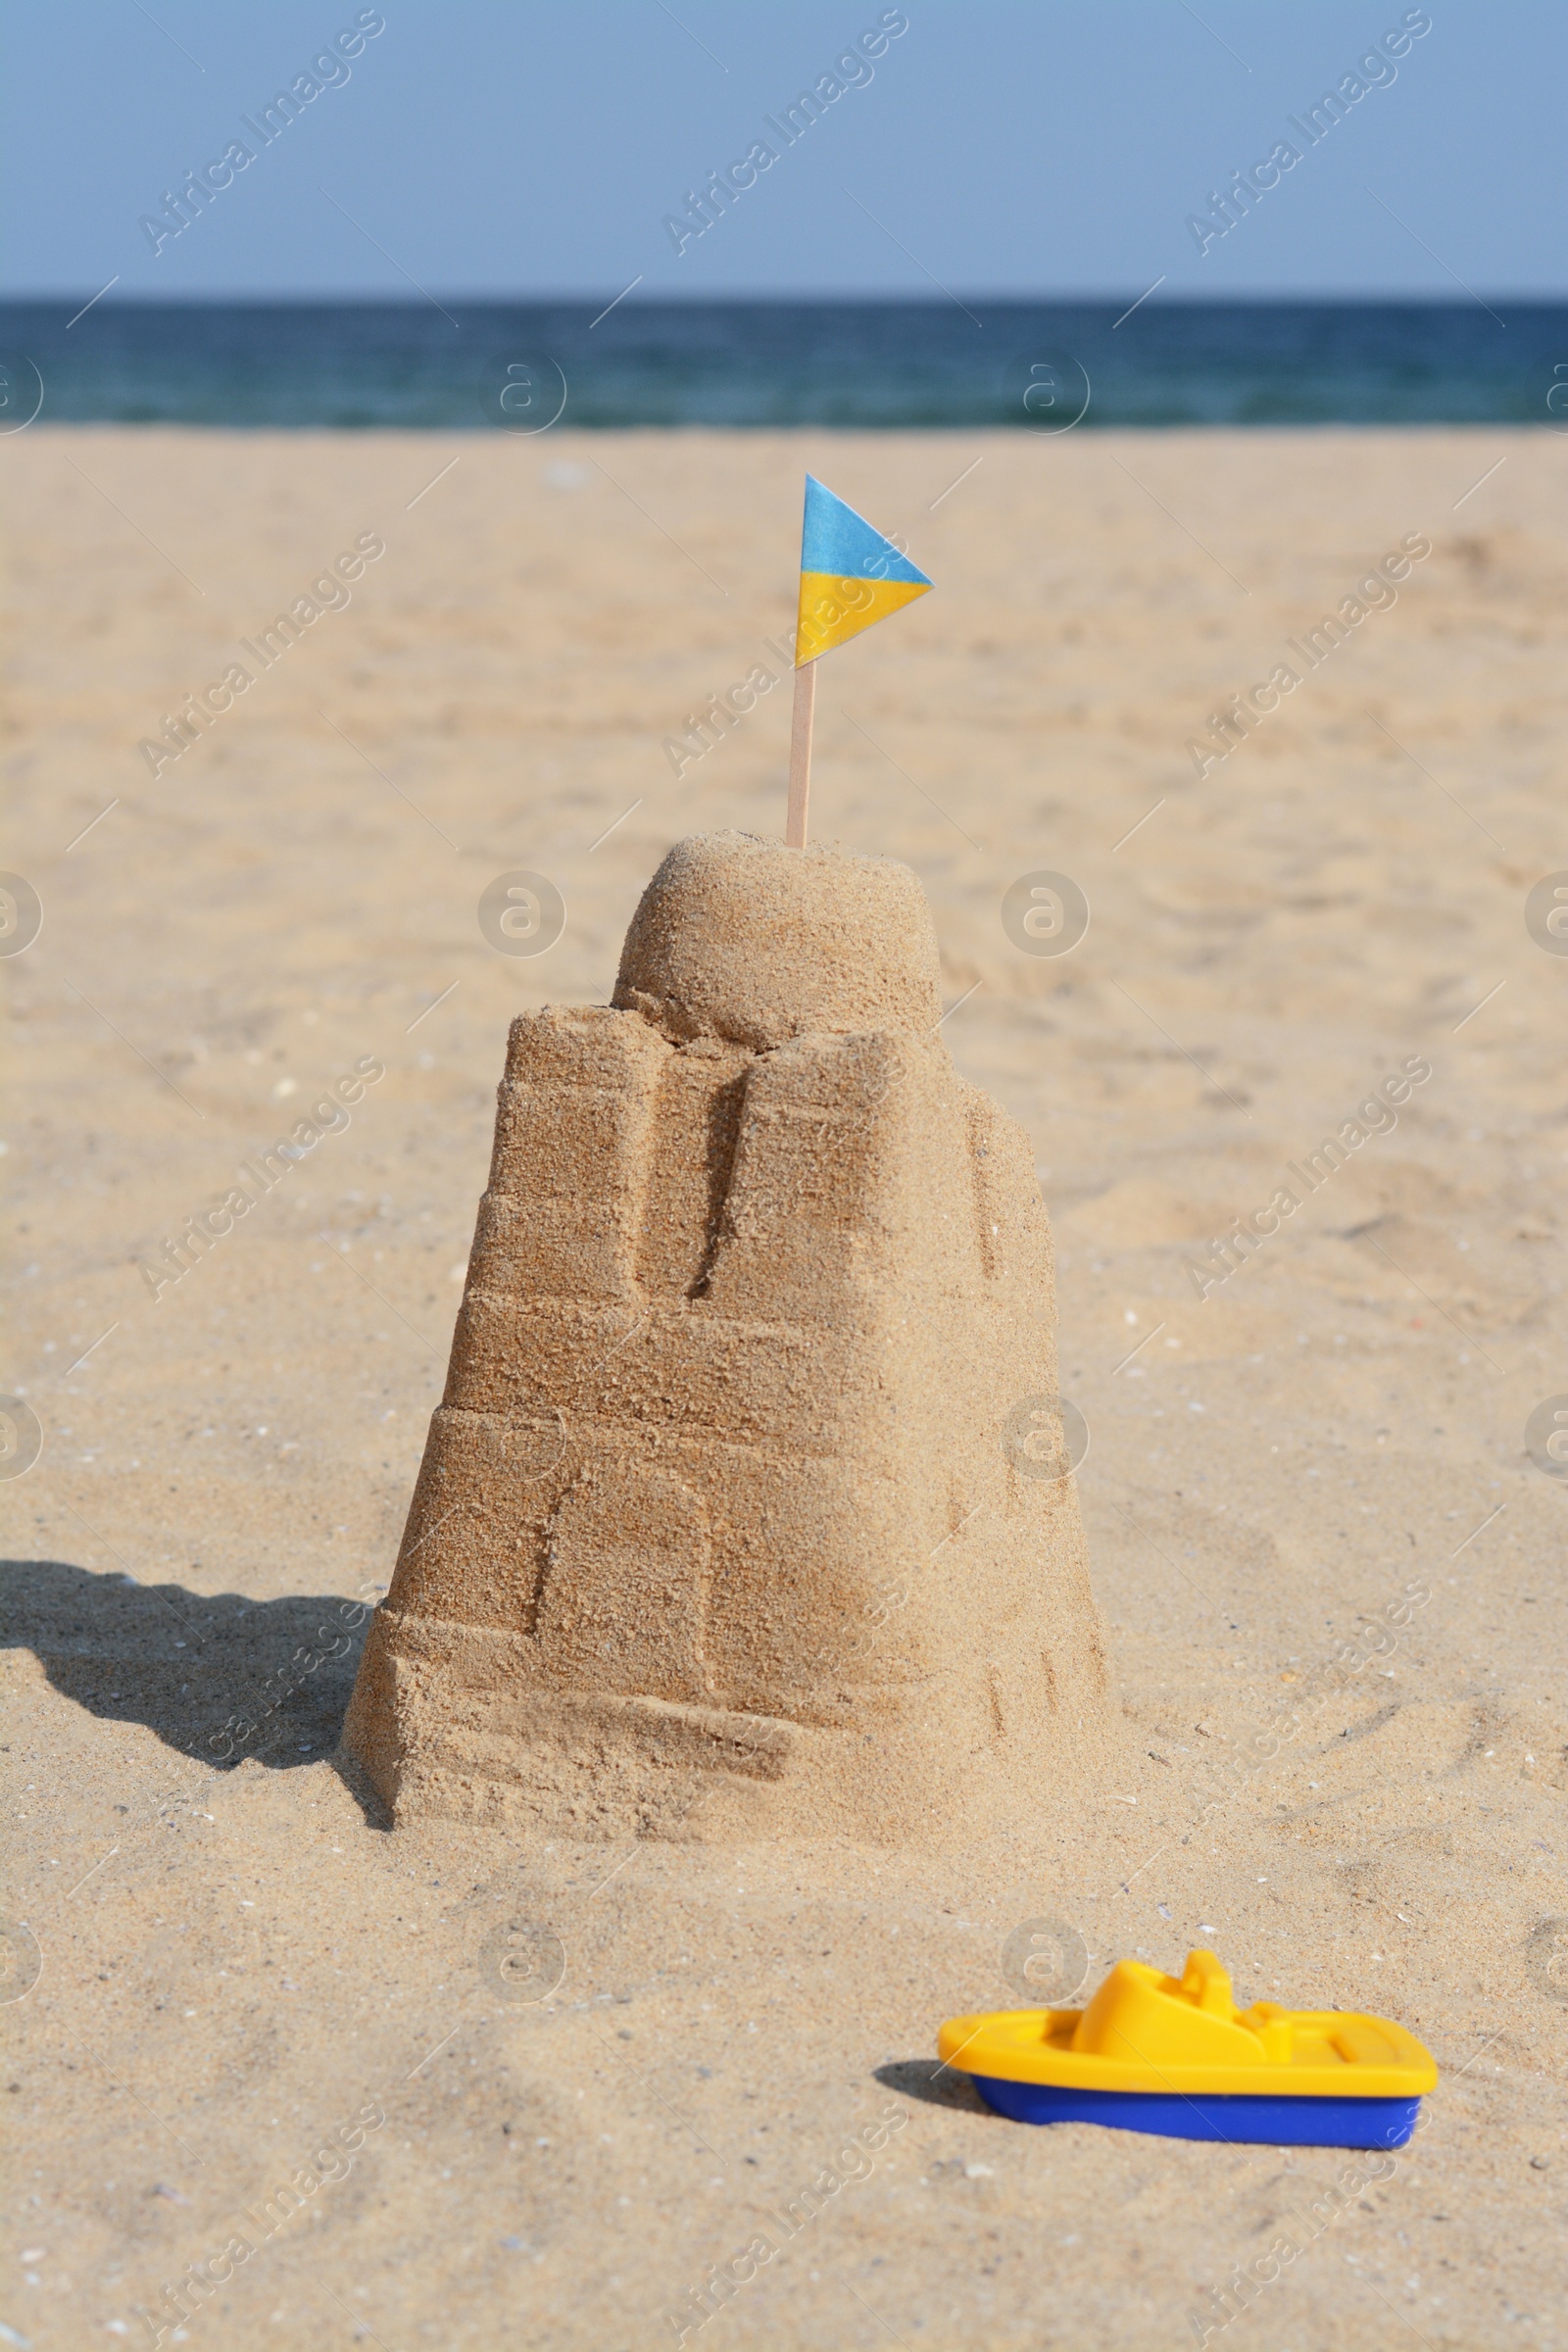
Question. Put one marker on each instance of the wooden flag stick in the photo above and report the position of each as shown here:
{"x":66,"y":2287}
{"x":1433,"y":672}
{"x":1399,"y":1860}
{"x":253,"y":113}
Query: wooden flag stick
{"x":801,"y":755}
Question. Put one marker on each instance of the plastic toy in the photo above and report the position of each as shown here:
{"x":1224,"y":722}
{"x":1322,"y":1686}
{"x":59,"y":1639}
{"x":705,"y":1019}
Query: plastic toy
{"x":1174,"y":2055}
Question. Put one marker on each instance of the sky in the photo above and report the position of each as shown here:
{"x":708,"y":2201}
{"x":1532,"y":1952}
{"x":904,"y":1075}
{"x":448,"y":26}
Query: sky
{"x":1005,"y":147}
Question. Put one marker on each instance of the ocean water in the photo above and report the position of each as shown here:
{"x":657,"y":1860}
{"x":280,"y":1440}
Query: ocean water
{"x":1040,"y":368}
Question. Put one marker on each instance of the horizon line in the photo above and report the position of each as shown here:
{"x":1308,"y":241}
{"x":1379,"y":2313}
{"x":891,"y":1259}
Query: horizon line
{"x":324,"y":298}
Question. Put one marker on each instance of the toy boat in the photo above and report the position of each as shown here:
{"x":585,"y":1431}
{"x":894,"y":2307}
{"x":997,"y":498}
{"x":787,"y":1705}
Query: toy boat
{"x":1174,"y":2055}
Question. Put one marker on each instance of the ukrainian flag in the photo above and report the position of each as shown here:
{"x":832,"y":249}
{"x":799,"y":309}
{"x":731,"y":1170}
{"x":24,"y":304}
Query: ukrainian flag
{"x":849,"y":575}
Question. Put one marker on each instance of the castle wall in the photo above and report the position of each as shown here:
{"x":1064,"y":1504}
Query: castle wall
{"x":719,"y":1469}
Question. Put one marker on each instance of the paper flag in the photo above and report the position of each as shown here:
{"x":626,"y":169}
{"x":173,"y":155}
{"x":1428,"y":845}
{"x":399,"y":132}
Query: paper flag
{"x":849,"y":575}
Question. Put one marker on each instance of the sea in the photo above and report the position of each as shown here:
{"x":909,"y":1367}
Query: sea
{"x":872,"y":366}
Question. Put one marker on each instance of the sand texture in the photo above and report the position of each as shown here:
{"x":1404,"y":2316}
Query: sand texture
{"x":466,"y":2083}
{"x":747,"y":1511}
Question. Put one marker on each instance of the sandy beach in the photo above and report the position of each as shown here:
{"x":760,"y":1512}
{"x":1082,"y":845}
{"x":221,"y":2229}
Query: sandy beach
{"x":1329,"y":1568}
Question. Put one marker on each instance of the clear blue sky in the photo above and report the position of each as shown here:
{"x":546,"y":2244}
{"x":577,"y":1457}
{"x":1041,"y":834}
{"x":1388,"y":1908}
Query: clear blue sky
{"x":507,"y":148}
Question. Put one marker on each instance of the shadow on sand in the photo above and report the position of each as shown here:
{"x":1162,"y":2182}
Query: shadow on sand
{"x":932,"y":2084}
{"x":218,"y":1677}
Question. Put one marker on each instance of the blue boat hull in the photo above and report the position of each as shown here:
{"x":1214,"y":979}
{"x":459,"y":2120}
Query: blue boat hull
{"x":1239,"y":2117}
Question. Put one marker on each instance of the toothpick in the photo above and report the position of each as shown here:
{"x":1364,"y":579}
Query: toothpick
{"x":801,"y":755}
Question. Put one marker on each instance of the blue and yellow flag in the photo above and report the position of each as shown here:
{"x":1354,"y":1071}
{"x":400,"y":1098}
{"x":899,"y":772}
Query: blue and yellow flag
{"x":849,"y":575}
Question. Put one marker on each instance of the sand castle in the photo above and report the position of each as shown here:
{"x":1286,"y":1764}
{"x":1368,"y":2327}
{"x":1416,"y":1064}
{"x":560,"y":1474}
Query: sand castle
{"x":739,"y":1516}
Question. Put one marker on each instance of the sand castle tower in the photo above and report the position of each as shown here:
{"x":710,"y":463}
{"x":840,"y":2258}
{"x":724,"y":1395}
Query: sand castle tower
{"x":740,"y":1516}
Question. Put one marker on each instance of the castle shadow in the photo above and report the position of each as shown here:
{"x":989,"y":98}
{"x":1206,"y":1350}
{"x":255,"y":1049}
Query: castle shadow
{"x":217,"y":1677}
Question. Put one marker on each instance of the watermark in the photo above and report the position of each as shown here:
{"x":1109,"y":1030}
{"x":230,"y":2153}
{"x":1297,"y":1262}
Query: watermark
{"x":1556,"y":398}
{"x":167,"y":1800}
{"x":1545,"y":915}
{"x":164,"y":1800}
{"x":883,"y":1606}
{"x":1228,"y":2301}
{"x":1546,"y":1955}
{"x":199,"y":713}
{"x":855,"y":2161}
{"x":240,"y":1729}
{"x":20,"y":1960}
{"x":205,"y":1228}
{"x":21,"y":391}
{"x":521,"y":1961}
{"x":1546,"y":1437}
{"x":21,"y":914}
{"x":1045,"y":1438}
{"x":1045,"y":914}
{"x":21,"y":1437}
{"x":1243,"y":713}
{"x":1044,"y":1961}
{"x":183,"y":2297}
{"x":329,"y":70}
{"x":722,"y":714}
{"x":852,"y":70}
{"x":1376,"y":70}
{"x":520,"y":395}
{"x":1377,"y":1115}
{"x":1049,"y":390}
{"x":1232,"y":1772}
{"x":524,"y":1453}
{"x":521,"y":913}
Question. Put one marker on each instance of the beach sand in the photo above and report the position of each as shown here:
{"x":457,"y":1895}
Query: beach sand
{"x":1329,"y":1569}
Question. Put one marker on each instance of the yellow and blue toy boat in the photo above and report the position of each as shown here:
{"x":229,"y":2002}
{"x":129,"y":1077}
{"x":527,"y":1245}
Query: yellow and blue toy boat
{"x":1174,"y":2055}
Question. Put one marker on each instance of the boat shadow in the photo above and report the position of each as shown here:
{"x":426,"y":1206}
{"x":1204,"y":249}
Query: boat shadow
{"x":932,"y":2082}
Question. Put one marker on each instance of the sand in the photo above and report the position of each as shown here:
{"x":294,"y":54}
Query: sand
{"x":1329,"y":1568}
{"x":746,"y":1513}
